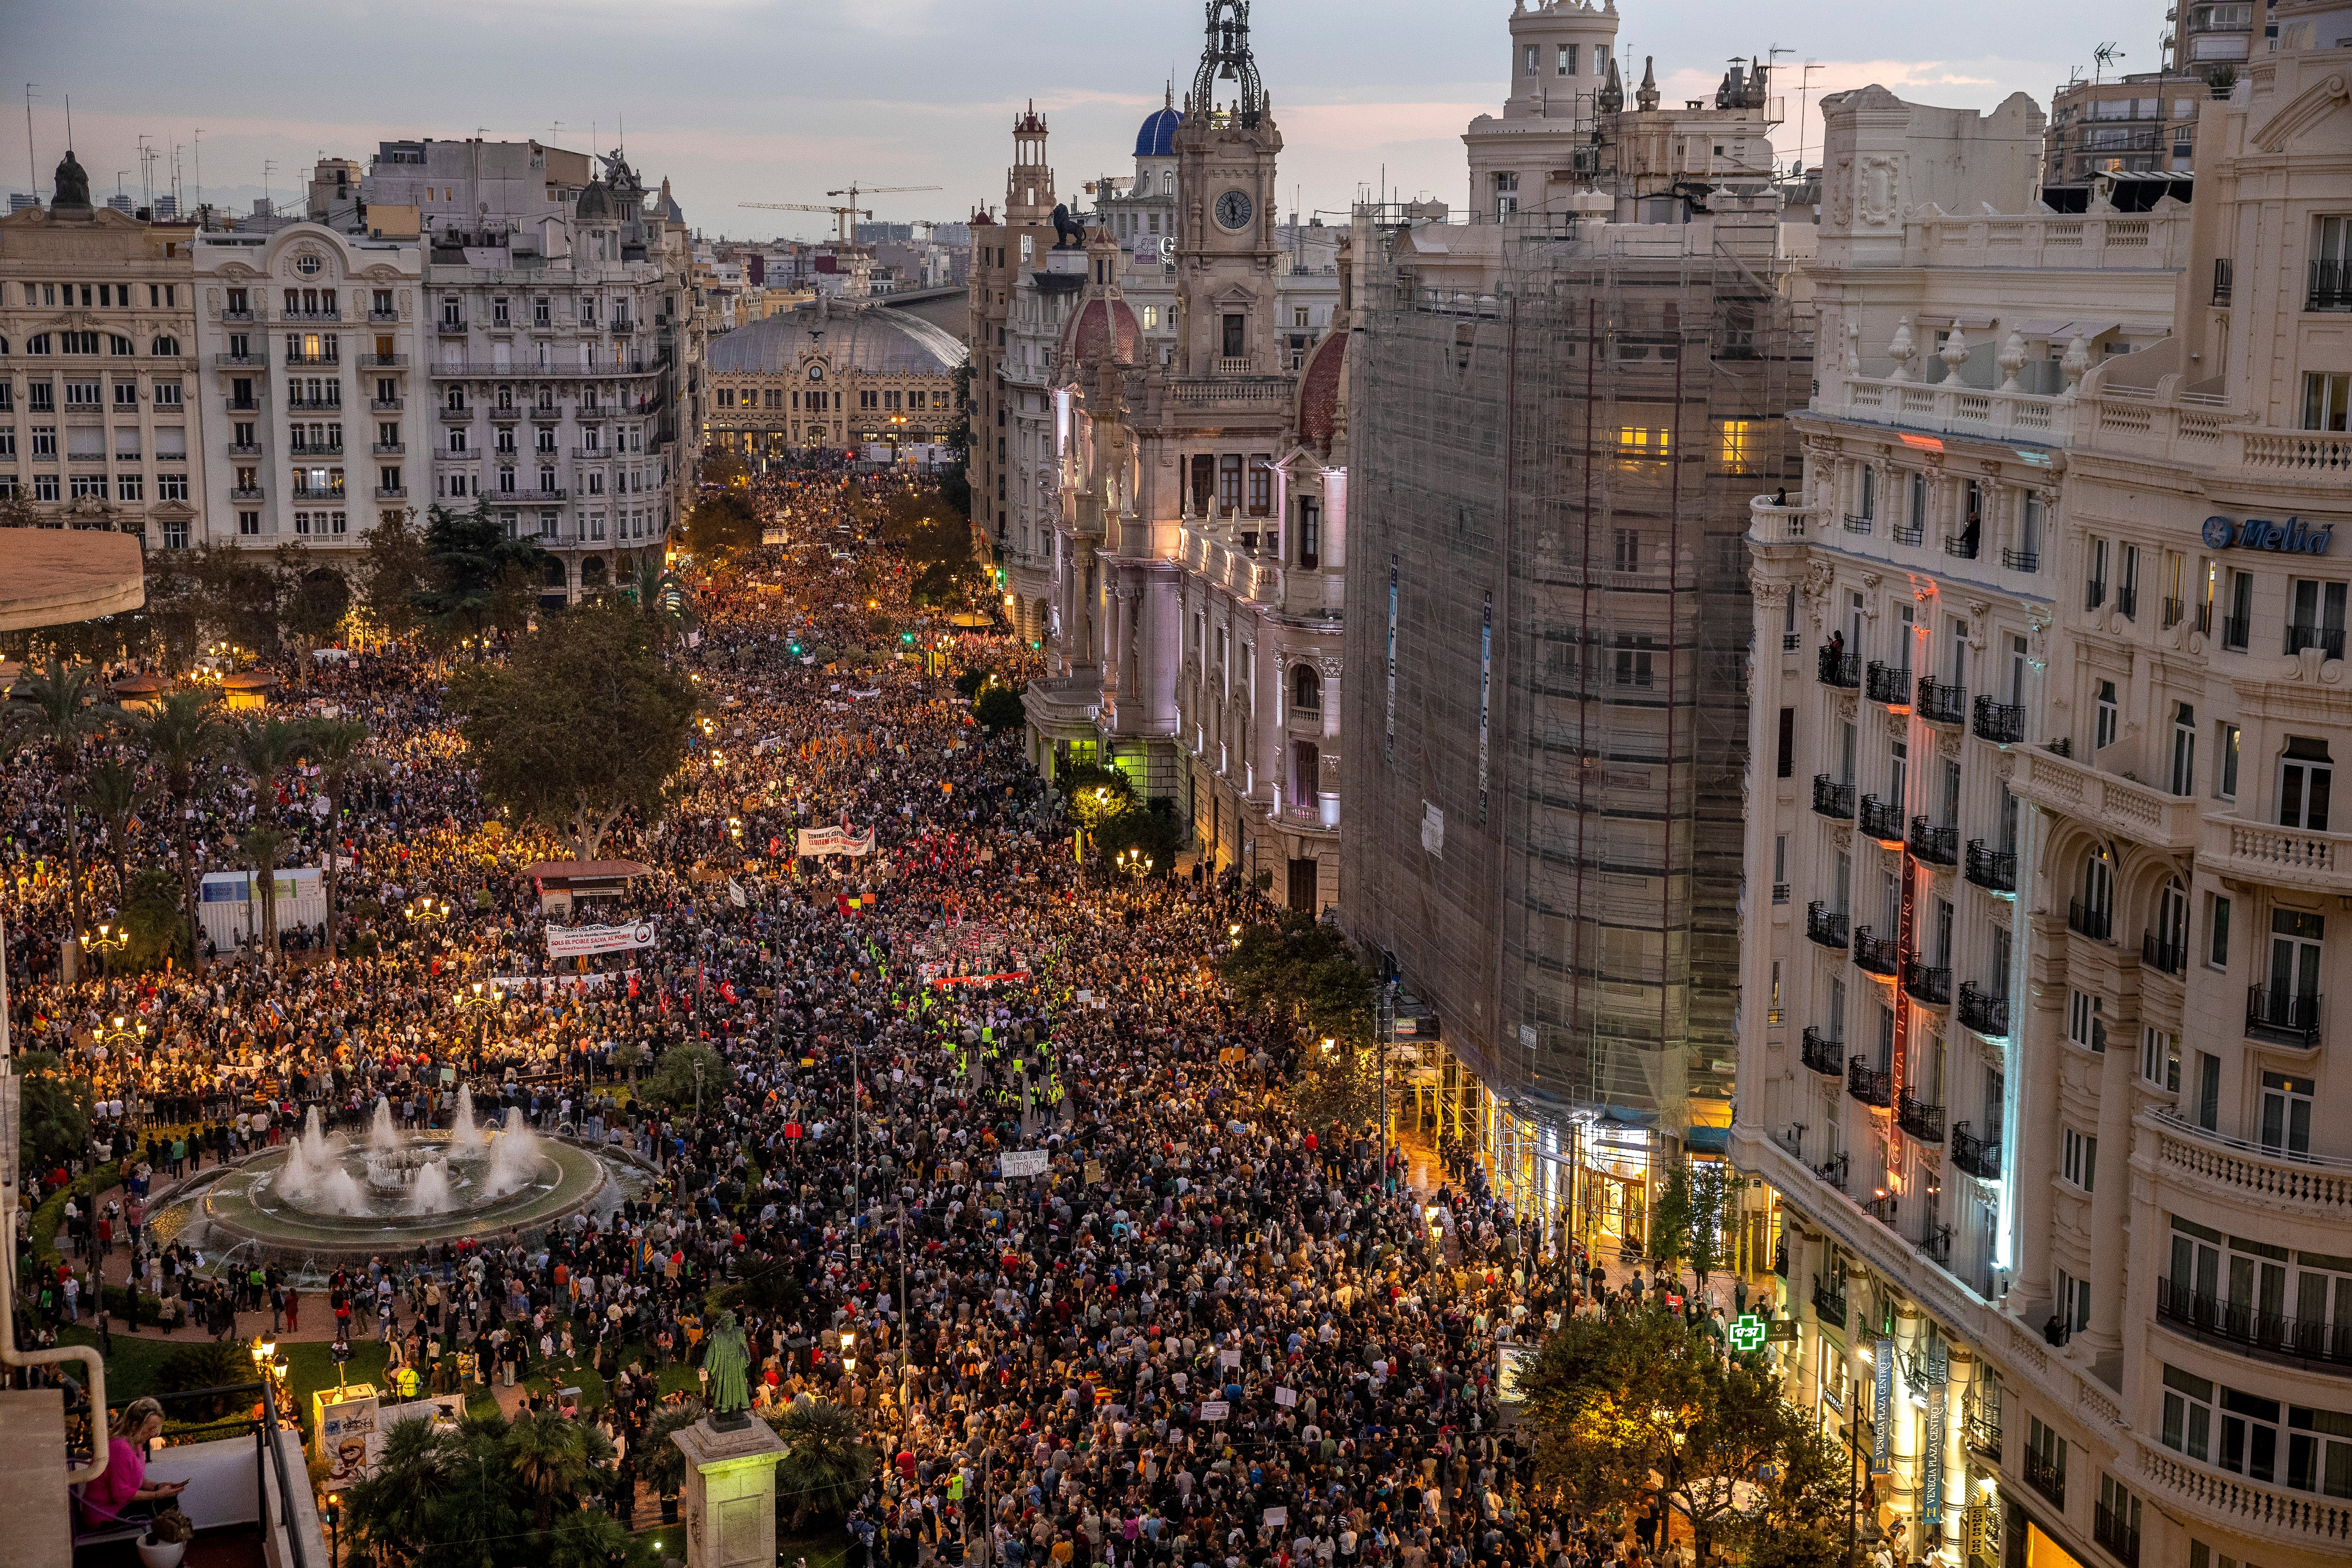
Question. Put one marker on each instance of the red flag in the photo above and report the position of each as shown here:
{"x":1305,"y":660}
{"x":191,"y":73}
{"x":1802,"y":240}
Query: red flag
{"x":842,"y":904}
{"x":727,"y":992}
{"x":633,"y":985}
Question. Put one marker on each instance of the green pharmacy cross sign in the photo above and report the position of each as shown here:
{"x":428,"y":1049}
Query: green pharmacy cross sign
{"x":1748,"y":1333}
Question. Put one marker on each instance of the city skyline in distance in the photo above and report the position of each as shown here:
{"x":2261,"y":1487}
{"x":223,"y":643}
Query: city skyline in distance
{"x":742,"y":101}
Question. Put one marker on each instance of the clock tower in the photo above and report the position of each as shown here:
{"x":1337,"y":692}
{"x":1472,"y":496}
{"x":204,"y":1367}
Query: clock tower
{"x":1225,"y":248}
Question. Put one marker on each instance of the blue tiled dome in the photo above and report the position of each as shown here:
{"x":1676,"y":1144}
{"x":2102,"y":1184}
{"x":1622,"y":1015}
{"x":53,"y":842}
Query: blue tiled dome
{"x":1157,"y":139}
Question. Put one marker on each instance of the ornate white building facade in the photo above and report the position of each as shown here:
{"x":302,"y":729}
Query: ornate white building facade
{"x":1174,"y":483}
{"x":2049,"y":685}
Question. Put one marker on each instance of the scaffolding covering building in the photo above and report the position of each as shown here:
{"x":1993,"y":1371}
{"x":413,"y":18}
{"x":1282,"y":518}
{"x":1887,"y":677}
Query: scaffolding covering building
{"x":1547,"y":660}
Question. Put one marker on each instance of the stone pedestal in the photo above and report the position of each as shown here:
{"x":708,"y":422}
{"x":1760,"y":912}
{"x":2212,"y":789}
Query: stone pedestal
{"x":730,"y":1504}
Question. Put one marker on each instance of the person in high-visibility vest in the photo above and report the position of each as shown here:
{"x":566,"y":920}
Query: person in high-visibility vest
{"x":407,"y":1381}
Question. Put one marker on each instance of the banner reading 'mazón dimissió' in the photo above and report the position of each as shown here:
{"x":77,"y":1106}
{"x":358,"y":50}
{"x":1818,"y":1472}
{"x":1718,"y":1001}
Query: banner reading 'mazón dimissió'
{"x":578,"y":941}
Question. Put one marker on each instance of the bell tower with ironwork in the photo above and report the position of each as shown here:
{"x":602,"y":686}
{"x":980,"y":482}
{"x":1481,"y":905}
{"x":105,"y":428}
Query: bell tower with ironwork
{"x":1225,"y":245}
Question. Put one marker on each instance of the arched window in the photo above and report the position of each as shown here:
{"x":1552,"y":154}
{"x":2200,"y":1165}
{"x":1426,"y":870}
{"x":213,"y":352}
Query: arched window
{"x":2169,"y":940}
{"x":4,"y":348}
{"x":118,"y":346}
{"x":39,"y":343}
{"x":165,"y":348}
{"x":1306,"y":689}
{"x":2093,"y":913}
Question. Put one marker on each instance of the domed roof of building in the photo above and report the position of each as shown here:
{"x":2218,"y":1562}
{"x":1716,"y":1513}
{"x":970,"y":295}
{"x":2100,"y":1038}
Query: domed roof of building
{"x":1100,"y":326}
{"x":1157,"y":139}
{"x":1318,"y":392}
{"x":596,"y":203}
{"x":875,"y":339}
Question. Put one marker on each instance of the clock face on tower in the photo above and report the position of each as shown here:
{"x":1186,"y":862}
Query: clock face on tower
{"x":1234,"y":209}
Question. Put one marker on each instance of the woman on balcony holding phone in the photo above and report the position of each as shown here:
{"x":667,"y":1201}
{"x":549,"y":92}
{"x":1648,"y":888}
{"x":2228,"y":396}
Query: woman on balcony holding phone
{"x":122,"y":1492}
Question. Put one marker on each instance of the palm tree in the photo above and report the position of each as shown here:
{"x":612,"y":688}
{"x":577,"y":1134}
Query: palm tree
{"x":262,"y":845}
{"x":553,"y":1457}
{"x":336,"y":744}
{"x":114,"y":795}
{"x":587,"y":1540}
{"x":184,"y":733}
{"x":263,"y":747}
{"x":64,"y":712}
{"x":390,"y":1513}
{"x":663,"y":599}
{"x":824,"y":1466}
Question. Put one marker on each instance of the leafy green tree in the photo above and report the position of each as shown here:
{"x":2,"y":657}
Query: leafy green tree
{"x":1340,"y":1087}
{"x":1635,"y":1408}
{"x":392,"y":570}
{"x":999,"y":709}
{"x":673,"y":1080}
{"x":475,"y":574}
{"x":58,"y":709}
{"x":313,"y":595}
{"x":585,"y":720}
{"x":825,"y":1467}
{"x":721,"y":527}
{"x":184,"y":731}
{"x":336,"y":744}
{"x":1095,"y":794}
{"x":1303,"y":971}
{"x":53,"y":1125}
{"x":1155,"y":831}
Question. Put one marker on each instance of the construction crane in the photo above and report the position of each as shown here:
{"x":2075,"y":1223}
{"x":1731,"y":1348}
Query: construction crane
{"x":843,"y":217}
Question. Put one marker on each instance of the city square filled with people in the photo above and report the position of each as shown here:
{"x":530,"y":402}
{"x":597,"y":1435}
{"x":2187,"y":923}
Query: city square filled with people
{"x":1208,"y":1333}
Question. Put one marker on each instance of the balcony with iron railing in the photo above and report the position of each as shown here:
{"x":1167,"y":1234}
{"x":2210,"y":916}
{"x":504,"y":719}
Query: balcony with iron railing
{"x":2127,"y":600}
{"x":1875,"y":953}
{"x":2004,"y":723}
{"x":1843,"y":671}
{"x":1983,"y":1011}
{"x":1940,"y":702}
{"x":1907,"y":533}
{"x":386,"y":405}
{"x":1829,"y":1302}
{"x":1922,"y":1120}
{"x":1995,"y":870}
{"x":1833,"y":1170}
{"x":1871,"y":1086}
{"x":2096,"y":922}
{"x":2331,"y":286}
{"x":1935,"y":1245}
{"x":1937,"y":845}
{"x":1887,"y":683}
{"x":2328,"y":640}
{"x":450,"y":328}
{"x":2284,"y":1016}
{"x":1963,"y":545}
{"x":1982,"y":1418}
{"x":2161,"y":954}
{"x":2172,"y":613}
{"x":1825,"y":925}
{"x":1823,"y":1054}
{"x":2119,"y":1538}
{"x":1833,"y":799}
{"x":1929,"y":985}
{"x":1859,"y":523}
{"x":1980,"y":1157}
{"x":2045,"y":1477}
{"x":2021,"y":560}
{"x":1881,"y":820}
{"x":2323,"y":1342}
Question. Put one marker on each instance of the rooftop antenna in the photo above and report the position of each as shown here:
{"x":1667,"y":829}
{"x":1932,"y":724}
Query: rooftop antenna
{"x":199,"y":158}
{"x":70,"y":123}
{"x":32,"y":160}
{"x":269,"y":167}
{"x":2102,"y":56}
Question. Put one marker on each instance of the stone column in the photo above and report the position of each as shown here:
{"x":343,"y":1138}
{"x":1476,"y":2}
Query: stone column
{"x":730,"y":1506}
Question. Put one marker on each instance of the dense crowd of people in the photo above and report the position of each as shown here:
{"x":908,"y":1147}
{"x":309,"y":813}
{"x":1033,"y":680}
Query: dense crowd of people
{"x":1207,"y":1333}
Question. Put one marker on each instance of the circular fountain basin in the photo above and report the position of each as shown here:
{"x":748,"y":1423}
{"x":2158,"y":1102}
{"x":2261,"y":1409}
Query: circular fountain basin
{"x":244,"y":1205}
